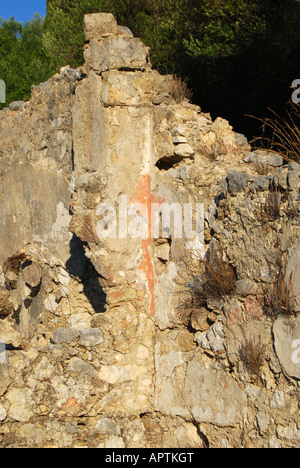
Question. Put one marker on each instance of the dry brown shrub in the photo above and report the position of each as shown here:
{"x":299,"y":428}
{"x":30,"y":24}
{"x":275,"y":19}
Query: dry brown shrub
{"x":252,"y":354}
{"x":180,"y":91}
{"x":273,"y":204}
{"x":211,"y":278}
{"x":214,"y":150}
{"x":283,"y":134}
{"x":220,"y":277}
{"x":279,"y":299}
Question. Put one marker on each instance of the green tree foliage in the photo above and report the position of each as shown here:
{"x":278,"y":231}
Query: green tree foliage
{"x":155,"y":22}
{"x":239,"y":56}
{"x":245,"y":58}
{"x":23,"y":61}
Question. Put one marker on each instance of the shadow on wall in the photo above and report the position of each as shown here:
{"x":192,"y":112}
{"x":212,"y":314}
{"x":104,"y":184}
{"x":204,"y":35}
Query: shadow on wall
{"x":81,"y":267}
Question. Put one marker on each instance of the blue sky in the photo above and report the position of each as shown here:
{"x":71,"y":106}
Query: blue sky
{"x":22,"y":10}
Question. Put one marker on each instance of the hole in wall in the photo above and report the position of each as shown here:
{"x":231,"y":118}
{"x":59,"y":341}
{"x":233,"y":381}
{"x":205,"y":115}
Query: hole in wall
{"x":168,"y":162}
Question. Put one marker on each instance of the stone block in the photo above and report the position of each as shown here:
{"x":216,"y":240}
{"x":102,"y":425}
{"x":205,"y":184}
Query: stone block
{"x":65,"y":335}
{"x":237,"y":182}
{"x":183,"y":150}
{"x":213,"y":339}
{"x":199,"y":320}
{"x":5,"y":379}
{"x":163,"y":252}
{"x":107,"y":426}
{"x":20,"y":404}
{"x":9,"y":335}
{"x":99,"y":24}
{"x":265,"y":158}
{"x":124,"y":31}
{"x":17,"y":105}
{"x":118,"y":374}
{"x":293,"y":273}
{"x":261,"y":184}
{"x":91,"y":337}
{"x":254,"y":307}
{"x":246,"y":287}
{"x":293,"y":176}
{"x":213,"y":398}
{"x":132,"y":88}
{"x":287,"y":344}
{"x":89,"y":127}
{"x":116,"y":53}
{"x":5,"y":303}
{"x":233,"y":312}
{"x":78,"y":366}
{"x":46,"y":218}
{"x":3,"y":413}
{"x":31,"y":275}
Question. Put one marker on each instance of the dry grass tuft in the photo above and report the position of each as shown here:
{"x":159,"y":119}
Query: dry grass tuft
{"x":284,"y":134}
{"x":252,"y":353}
{"x":269,"y":210}
{"x":279,"y":300}
{"x":180,"y":91}
{"x":273,"y":204}
{"x":214,"y":150}
{"x":220,"y":278}
{"x":211,"y":278}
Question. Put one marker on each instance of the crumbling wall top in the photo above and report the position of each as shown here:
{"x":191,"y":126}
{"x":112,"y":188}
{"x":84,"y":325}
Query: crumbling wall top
{"x":112,"y":47}
{"x":99,"y":24}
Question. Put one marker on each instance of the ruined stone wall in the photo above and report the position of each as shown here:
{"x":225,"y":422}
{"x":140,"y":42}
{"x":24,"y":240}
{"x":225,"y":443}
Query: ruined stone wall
{"x":36,"y":162}
{"x":115,"y":340}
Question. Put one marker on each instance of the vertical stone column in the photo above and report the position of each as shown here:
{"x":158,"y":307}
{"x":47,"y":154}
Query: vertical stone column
{"x":114,"y":159}
{"x":114,"y":178}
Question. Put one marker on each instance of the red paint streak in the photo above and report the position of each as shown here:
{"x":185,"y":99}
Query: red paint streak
{"x":143,"y":195}
{"x":71,"y":403}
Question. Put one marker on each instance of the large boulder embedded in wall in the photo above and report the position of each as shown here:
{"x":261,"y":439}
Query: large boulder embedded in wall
{"x":36,"y":207}
{"x":287,"y":344}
